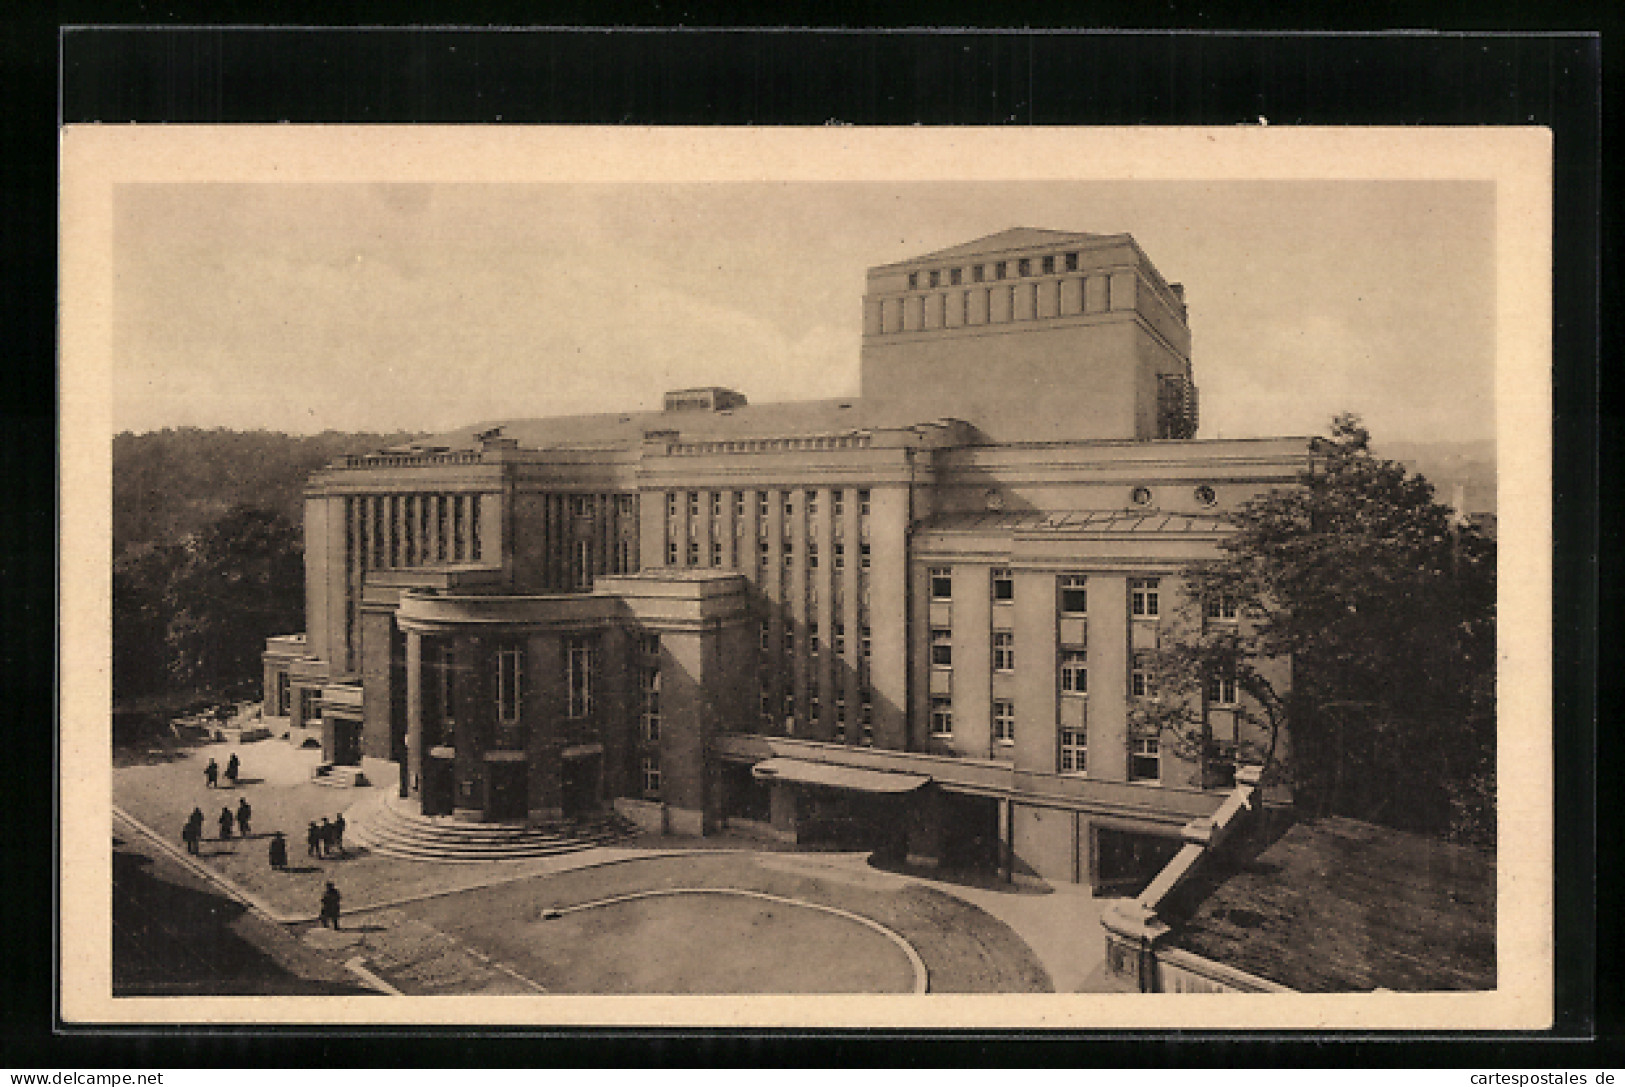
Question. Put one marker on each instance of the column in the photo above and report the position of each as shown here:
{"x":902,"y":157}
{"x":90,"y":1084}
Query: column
{"x":1036,"y":661}
{"x":824,"y":579}
{"x":414,"y":713}
{"x":1109,"y":662}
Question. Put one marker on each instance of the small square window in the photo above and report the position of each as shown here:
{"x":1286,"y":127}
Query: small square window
{"x":942,"y":583}
{"x":942,"y":648}
{"x":1145,"y":760}
{"x":942,"y":716}
{"x":1004,"y":586}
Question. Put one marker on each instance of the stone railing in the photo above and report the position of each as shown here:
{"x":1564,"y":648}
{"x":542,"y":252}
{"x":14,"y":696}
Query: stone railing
{"x":772,"y":445}
{"x":409,"y":460}
{"x":1136,"y":934}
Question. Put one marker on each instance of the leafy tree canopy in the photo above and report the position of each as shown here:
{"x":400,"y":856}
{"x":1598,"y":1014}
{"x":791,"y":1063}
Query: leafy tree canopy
{"x":1384,"y":603}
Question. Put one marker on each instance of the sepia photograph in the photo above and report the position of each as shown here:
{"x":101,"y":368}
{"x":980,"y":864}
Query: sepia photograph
{"x":811,"y":577}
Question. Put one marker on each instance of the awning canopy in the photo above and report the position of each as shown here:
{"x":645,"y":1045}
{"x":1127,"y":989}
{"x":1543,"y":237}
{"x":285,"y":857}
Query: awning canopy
{"x":803,"y":772}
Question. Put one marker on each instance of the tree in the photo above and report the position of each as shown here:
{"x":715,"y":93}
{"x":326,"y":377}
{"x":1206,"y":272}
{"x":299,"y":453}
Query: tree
{"x":1384,"y":603}
{"x":239,"y":581}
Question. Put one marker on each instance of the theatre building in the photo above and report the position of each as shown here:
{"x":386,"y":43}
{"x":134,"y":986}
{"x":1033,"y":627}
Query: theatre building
{"x":912,"y":619}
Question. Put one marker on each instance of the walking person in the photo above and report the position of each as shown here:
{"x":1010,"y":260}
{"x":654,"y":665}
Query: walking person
{"x":233,"y":768}
{"x":330,"y":907}
{"x":192,"y":832}
{"x":327,"y":837}
{"x":226,"y":820}
{"x":279,"y":852}
{"x":338,"y":833}
{"x":244,"y":813}
{"x":211,"y":774}
{"x":313,"y":840}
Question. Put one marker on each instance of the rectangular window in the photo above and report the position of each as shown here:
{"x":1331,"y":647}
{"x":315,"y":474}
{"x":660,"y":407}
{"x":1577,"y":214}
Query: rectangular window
{"x":762,"y":503}
{"x":671,"y":503}
{"x":789,"y":506}
{"x":1074,"y":750}
{"x":942,"y":716}
{"x":1143,"y":597}
{"x":671,"y":553}
{"x":863,"y":503}
{"x":309,"y":704}
{"x":1139,"y":678}
{"x":716,"y":503}
{"x":1004,"y":586}
{"x":812,"y":503}
{"x":716,"y":552}
{"x":508,"y":686}
{"x":284,"y":695}
{"x":1074,"y":595}
{"x":650,"y":684}
{"x":764,"y":553}
{"x":581,"y":505}
{"x":649,"y":646}
{"x":1072,"y":262}
{"x":1001,"y":269}
{"x":582,"y":571}
{"x":865,"y":644}
{"x":1145,"y":760}
{"x":864,"y":556}
{"x":693,"y":552}
{"x":1221,"y":608}
{"x":1221,"y":690}
{"x":1004,"y":721}
{"x":693,"y":504}
{"x":623,"y":557}
{"x":580,"y":660}
{"x":789,"y":641}
{"x":840,"y":639}
{"x":934,"y":278}
{"x":956,"y":276}
{"x":624,"y":504}
{"x":942,"y":649}
{"x":840,"y":556}
{"x":761,"y":637}
{"x":1004,"y":651}
{"x":651,"y":777}
{"x":978,"y":273}
{"x":789,"y":555}
{"x":815,"y":712}
{"x":1024,"y":267}
{"x":837,"y":501}
{"x":914,"y":281}
{"x":812,"y":555}
{"x":1074,"y":671}
{"x":739,"y":505}
{"x":942,"y":583}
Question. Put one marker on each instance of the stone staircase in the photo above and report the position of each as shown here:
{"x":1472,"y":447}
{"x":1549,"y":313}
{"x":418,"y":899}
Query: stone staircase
{"x":340,"y":777}
{"x":388,"y":825}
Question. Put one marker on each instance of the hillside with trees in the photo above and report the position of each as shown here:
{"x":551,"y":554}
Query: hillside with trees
{"x":208,"y":557}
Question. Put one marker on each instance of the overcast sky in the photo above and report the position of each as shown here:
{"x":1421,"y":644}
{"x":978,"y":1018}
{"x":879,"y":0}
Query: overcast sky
{"x":427,"y":307}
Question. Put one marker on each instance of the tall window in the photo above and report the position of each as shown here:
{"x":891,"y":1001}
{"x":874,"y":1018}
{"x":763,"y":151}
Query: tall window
{"x":866,"y":719}
{"x":671,"y":552}
{"x":623,"y":556}
{"x":864,"y":557}
{"x":812,"y":555}
{"x":1143,"y":597}
{"x":761,"y":505}
{"x":1004,"y":651}
{"x":789,"y":555}
{"x":716,"y":503}
{"x":1074,"y":595}
{"x":942,"y":715}
{"x":764,"y":552}
{"x":284,"y":694}
{"x":837,"y":501}
{"x":942,"y":648}
{"x":671,"y":503}
{"x":1049,"y":265}
{"x":1139,"y":677}
{"x":1072,"y":262}
{"x":716,"y":552}
{"x":1001,"y":269}
{"x":1024,"y":267}
{"x":739,"y":505}
{"x":1074,"y":671}
{"x":650,"y":684}
{"x":840,"y":717}
{"x":693,"y":552}
{"x":789,"y":504}
{"x":863,"y":503}
{"x":693,"y":504}
{"x":309,"y":704}
{"x":866,"y":644}
{"x":840,"y":556}
{"x":1004,"y":721}
{"x":1221,"y":690}
{"x":840,"y":639}
{"x":1074,"y":750}
{"x":942,"y":583}
{"x":812,"y":504}
{"x":582,"y":571}
{"x":579,"y":662}
{"x":651,"y":777}
{"x":1145,"y":760}
{"x":508,"y":686}
{"x":1004,"y":586}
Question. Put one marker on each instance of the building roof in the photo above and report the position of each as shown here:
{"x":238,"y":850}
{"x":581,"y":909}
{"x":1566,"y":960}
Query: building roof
{"x":1337,"y":905}
{"x":829,"y":776}
{"x":1019,"y":237}
{"x":625,"y":429}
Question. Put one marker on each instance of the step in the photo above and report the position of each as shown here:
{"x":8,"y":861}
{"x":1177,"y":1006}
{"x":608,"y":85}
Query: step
{"x":343,"y":777}
{"x":387,"y":827}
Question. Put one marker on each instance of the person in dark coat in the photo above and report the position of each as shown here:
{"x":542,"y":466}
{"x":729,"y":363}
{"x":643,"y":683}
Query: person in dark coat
{"x":233,"y":768}
{"x":327,"y":837}
{"x":226,"y":820}
{"x":330,"y":907}
{"x":279,"y":851}
{"x":338,"y":832}
{"x":244,"y":814}
{"x":192,"y":833}
{"x":211,"y":774}
{"x":313,"y":840}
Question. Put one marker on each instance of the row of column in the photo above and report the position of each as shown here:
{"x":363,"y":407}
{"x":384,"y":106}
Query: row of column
{"x":385,"y":531}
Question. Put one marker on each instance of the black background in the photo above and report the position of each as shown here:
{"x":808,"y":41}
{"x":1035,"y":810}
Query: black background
{"x":1547,"y":72}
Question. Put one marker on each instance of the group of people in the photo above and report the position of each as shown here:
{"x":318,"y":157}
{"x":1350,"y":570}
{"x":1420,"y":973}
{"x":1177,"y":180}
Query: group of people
{"x":327,"y":839}
{"x":229,"y":821}
{"x":211,"y":772}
